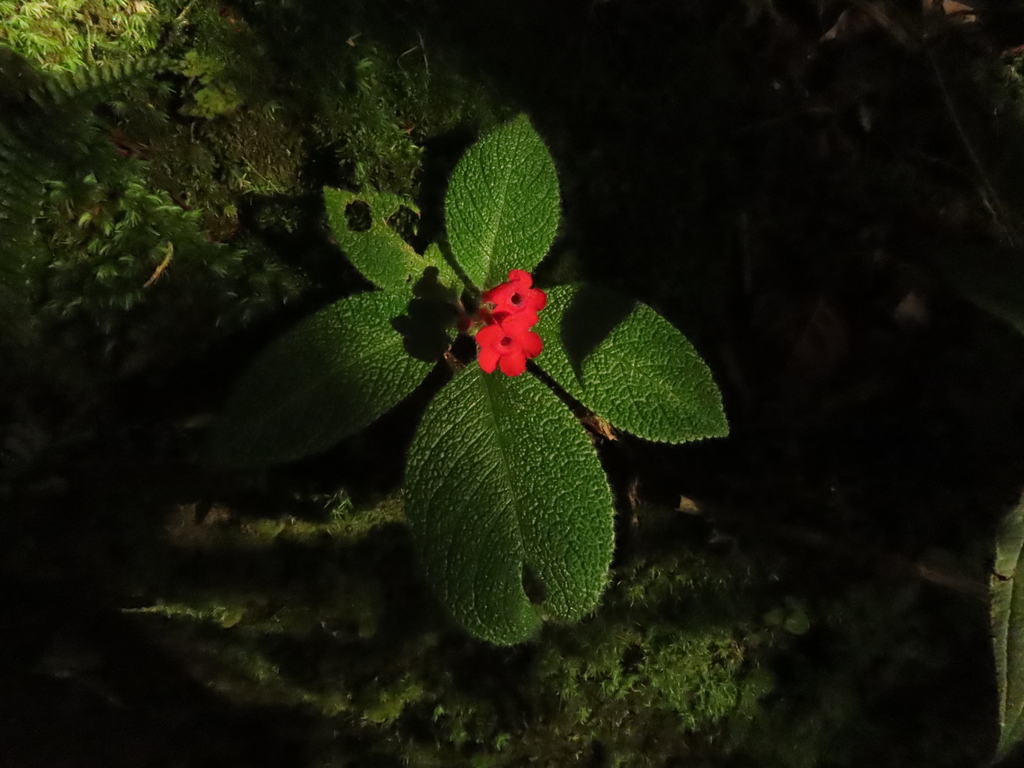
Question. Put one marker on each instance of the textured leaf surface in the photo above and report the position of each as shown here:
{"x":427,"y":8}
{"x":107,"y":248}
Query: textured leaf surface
{"x":1007,"y":592}
{"x":502,"y":206}
{"x":627,"y":364}
{"x":502,"y":477}
{"x":384,"y":258}
{"x":328,"y":377}
{"x":446,"y":275}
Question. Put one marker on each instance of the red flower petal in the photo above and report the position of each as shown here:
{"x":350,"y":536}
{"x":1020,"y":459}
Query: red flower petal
{"x":520,"y":276}
{"x":488,"y":359}
{"x":507,"y":341}
{"x":531,"y":344}
{"x":513,"y":364}
{"x":516,"y":295}
{"x":499,"y":294}
{"x":490,"y":336}
{"x":517,"y":323}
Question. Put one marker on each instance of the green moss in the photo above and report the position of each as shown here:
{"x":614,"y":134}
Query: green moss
{"x":253,"y":676}
{"x":120,"y":258}
{"x":344,"y":522}
{"x":674,"y":639}
{"x":387,"y":703}
{"x":215,"y":96}
{"x":320,"y":611}
{"x":696,"y":674}
{"x":111,"y":259}
{"x":112,"y":252}
{"x":71,"y":34}
{"x":220,"y":615}
{"x":391,"y":101}
{"x":262,"y":153}
{"x":672,"y":657}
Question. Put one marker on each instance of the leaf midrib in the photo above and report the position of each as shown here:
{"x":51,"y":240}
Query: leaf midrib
{"x":500,"y":439}
{"x":500,"y":205}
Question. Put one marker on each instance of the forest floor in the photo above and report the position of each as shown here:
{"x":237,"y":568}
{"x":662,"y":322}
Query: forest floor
{"x":824,"y":196}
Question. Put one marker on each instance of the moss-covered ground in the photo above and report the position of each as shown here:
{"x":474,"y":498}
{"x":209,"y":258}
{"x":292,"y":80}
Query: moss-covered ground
{"x":787,"y":181}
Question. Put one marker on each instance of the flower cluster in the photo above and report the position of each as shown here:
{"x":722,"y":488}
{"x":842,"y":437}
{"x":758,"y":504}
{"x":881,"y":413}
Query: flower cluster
{"x":506,"y":340}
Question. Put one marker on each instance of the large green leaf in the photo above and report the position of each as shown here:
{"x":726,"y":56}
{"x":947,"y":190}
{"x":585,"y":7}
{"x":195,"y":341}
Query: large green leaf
{"x":384,"y":258}
{"x":991,"y":277}
{"x":502,"y":206}
{"x":1008,"y":630}
{"x":627,"y":364}
{"x":328,"y":377}
{"x":503,"y":485}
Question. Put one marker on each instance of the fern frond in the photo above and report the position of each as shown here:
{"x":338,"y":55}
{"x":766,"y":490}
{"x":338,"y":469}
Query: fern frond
{"x":22,"y":176}
{"x":91,"y":85}
{"x":46,"y":135}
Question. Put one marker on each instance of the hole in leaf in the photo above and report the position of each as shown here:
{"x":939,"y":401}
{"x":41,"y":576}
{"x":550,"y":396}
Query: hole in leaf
{"x":405,"y":221}
{"x":533,"y":585}
{"x":358,"y":216}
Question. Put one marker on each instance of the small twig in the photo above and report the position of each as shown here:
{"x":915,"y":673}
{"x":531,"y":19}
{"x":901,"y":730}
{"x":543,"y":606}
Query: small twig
{"x":161,"y":266}
{"x":173,"y":27}
{"x":186,"y":9}
{"x":890,"y":19}
{"x":423,"y":47}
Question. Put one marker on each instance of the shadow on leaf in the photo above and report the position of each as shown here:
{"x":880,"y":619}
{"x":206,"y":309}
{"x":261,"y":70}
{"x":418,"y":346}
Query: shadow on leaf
{"x":592,"y":314}
{"x":430,"y":315}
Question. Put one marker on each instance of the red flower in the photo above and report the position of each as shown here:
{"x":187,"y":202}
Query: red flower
{"x":508,"y":342}
{"x":516,"y":295}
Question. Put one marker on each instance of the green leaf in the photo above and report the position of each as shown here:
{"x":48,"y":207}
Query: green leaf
{"x":990,"y":277}
{"x":326,"y":378}
{"x":627,"y":364}
{"x":502,"y":206}
{"x":503,"y":486}
{"x":384,"y":258}
{"x":445,"y":274}
{"x":1007,"y":614}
